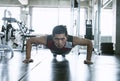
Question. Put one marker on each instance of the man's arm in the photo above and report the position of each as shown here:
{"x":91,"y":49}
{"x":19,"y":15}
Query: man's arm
{"x":29,"y":42}
{"x":85,"y":42}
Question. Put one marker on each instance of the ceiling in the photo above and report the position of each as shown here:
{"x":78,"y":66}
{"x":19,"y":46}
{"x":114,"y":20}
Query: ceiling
{"x":40,"y":2}
{"x":50,"y":3}
{"x":108,"y":4}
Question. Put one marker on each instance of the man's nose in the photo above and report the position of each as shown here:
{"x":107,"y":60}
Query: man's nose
{"x":59,"y":41}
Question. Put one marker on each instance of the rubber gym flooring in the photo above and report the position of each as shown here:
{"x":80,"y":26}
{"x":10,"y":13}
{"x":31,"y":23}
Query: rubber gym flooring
{"x":70,"y":68}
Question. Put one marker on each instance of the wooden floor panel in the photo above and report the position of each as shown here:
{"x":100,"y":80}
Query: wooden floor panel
{"x":70,"y":68}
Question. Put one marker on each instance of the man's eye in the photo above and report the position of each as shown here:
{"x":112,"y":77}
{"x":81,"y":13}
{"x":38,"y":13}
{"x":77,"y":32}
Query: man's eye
{"x":56,"y":38}
{"x":59,"y":38}
{"x":62,"y":38}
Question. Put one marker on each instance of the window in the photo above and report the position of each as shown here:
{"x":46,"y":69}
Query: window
{"x":106,"y":22}
{"x":44,"y":19}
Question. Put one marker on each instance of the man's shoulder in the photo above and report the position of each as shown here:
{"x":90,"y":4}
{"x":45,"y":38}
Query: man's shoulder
{"x":49,"y":37}
{"x":70,"y":38}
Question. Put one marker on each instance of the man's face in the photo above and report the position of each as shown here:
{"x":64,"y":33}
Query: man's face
{"x":60,"y":40}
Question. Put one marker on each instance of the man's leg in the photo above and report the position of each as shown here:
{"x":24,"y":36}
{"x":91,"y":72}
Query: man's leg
{"x":55,"y":55}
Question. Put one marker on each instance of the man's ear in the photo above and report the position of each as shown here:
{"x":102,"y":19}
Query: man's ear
{"x":67,"y":36}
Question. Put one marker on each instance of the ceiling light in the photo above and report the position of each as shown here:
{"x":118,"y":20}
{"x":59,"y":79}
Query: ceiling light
{"x":23,"y":2}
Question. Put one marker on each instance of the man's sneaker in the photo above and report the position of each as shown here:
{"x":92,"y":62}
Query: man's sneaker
{"x":63,"y":55}
{"x":54,"y":55}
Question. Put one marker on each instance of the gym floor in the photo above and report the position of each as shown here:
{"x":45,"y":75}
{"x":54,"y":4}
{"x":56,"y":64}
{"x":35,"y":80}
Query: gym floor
{"x":71,"y":68}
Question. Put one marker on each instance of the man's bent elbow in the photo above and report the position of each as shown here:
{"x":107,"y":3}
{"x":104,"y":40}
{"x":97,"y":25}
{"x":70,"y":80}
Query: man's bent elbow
{"x":28,"y":41}
{"x":90,"y":44}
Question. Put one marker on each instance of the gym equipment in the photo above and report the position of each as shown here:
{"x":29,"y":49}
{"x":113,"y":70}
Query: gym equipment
{"x":24,"y":31}
{"x":7,"y":50}
{"x":107,"y":48}
{"x":7,"y":27}
{"x":9,"y":19}
{"x":89,"y":30}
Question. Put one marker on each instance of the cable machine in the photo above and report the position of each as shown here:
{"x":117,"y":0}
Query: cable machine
{"x":96,"y":19}
{"x":8,"y":51}
{"x":75,"y":20}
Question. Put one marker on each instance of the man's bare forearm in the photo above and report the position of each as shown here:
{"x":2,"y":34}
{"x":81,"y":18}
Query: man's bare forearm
{"x":89,"y":51}
{"x":28,"y":49}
